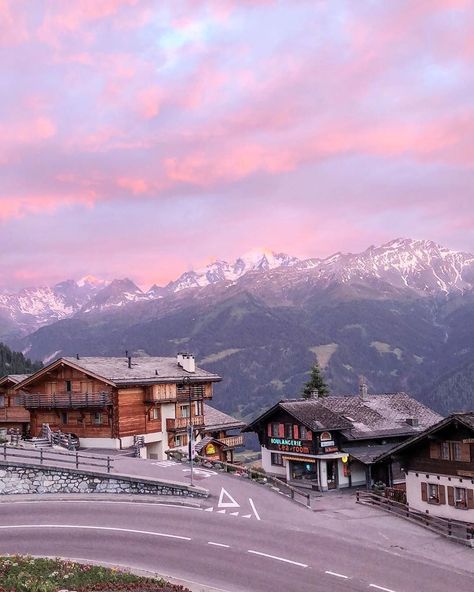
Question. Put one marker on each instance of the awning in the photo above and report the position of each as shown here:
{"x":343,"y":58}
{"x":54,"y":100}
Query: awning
{"x":304,"y":459}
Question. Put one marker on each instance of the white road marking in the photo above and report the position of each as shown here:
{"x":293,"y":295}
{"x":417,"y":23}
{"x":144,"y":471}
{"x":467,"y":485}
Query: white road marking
{"x":94,"y":501}
{"x":277,"y":558}
{"x":165,"y":463}
{"x":254,"y":509}
{"x":381,"y":588}
{"x":337,"y":575}
{"x":247,"y":516}
{"x":107,"y":528}
{"x":234,"y":514}
{"x":229,"y":504}
{"x":209,"y":510}
{"x":218,"y":545}
{"x":221,"y":511}
{"x":203,"y":472}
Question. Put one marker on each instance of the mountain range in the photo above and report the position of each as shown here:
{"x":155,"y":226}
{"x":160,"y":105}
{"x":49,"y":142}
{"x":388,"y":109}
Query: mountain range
{"x":400,"y":313}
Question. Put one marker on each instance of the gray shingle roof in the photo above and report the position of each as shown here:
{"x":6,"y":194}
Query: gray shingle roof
{"x":215,"y":420}
{"x":381,"y":415}
{"x":15,"y":378}
{"x":368,"y":453}
{"x":143,"y":370}
{"x":313,"y":414}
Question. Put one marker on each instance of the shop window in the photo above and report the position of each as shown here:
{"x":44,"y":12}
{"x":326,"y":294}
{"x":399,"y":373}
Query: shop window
{"x":276,"y":460}
{"x":433,"y":493}
{"x":460,"y":497}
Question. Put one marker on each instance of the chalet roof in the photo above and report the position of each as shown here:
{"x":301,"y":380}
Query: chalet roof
{"x":374,"y":416}
{"x":144,"y":370}
{"x":466,"y":419}
{"x":216,"y":420}
{"x":367,"y":454}
{"x":381,"y":415}
{"x":14,"y":378}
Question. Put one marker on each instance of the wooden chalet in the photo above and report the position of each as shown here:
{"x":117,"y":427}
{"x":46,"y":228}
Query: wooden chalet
{"x":221,"y":435}
{"x":13,"y":416}
{"x":333,"y":442}
{"x":439,"y":468}
{"x":111,"y":402}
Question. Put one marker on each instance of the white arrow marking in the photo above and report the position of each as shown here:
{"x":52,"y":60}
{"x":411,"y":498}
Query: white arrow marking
{"x":229,"y":504}
{"x":221,"y":511}
{"x":234,"y":513}
{"x":209,"y":510}
{"x":247,"y":516}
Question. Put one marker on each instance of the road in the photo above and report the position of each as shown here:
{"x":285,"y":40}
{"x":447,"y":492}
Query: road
{"x":244,"y":538}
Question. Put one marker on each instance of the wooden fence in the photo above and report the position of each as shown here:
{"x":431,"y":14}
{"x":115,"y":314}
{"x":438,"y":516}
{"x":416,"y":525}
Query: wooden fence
{"x":461,"y":532}
{"x":55,"y":458}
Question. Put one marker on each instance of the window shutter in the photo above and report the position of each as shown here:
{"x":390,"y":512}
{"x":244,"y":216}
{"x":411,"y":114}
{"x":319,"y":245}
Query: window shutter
{"x":442,"y":494}
{"x":470,"y":498}
{"x":295,"y":432}
{"x":435,"y":450}
{"x":269,"y":430}
{"x":281,"y":430}
{"x":424,"y":492}
{"x":450,"y":495}
{"x":309,"y":435}
{"x":465,"y":452}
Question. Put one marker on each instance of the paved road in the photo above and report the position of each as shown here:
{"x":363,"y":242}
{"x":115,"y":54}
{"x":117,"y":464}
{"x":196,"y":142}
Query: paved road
{"x":244,"y":537}
{"x":217,"y":550}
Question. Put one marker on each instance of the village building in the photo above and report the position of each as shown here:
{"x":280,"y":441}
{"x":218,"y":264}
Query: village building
{"x":439,"y":468}
{"x":220,"y":436}
{"x":333,"y":442}
{"x":113,"y":403}
{"x":13,"y":416}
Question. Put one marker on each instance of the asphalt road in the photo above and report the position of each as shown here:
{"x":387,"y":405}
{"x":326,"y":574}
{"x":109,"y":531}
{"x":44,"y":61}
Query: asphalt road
{"x":243,"y":538}
{"x":217,"y":550}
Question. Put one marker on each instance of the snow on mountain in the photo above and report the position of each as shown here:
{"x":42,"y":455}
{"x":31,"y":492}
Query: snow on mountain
{"x":418,"y":266}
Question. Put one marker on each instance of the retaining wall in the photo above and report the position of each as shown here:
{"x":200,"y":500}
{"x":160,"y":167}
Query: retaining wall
{"x":22,"y":478}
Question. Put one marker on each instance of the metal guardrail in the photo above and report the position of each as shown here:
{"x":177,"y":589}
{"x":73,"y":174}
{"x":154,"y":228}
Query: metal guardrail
{"x":456,"y":530}
{"x":256,"y":475}
{"x":47,"y":457}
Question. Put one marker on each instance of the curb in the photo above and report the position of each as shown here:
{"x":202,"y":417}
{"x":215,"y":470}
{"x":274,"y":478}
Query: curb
{"x":98,"y":497}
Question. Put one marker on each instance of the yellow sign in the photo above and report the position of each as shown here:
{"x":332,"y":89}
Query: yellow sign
{"x":210,"y":449}
{"x":345,"y":458}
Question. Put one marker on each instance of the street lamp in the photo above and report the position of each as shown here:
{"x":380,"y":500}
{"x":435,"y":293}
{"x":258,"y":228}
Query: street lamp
{"x":187,"y":383}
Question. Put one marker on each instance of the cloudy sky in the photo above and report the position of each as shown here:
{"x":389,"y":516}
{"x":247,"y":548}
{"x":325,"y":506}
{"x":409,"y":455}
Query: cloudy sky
{"x":141,"y":138}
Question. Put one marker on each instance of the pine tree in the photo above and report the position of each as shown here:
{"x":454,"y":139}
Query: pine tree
{"x":316,"y":382}
{"x":12,"y":362}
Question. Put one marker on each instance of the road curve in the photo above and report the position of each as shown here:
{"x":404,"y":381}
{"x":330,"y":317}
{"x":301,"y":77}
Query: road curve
{"x":216,"y":550}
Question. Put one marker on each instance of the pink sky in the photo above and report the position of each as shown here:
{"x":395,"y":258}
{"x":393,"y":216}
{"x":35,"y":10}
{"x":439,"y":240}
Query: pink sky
{"x":141,"y":138}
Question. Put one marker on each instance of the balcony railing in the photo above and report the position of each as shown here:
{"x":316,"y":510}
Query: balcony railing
{"x":181,"y":423}
{"x":197,"y":391}
{"x":69,"y":400}
{"x":232,"y":441}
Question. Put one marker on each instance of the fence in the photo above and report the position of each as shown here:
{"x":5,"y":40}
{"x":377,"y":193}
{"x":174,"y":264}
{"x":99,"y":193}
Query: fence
{"x":48,"y":457}
{"x":460,"y":532}
{"x":261,"y":477}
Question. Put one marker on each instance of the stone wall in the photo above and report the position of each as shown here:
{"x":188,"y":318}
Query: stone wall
{"x":21,"y":478}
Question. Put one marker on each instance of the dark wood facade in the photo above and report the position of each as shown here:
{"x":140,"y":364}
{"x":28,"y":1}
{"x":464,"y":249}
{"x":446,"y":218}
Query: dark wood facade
{"x":13,"y":414}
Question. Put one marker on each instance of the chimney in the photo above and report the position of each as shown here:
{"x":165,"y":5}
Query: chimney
{"x":77,"y":357}
{"x":314,"y":394}
{"x":186,"y":362}
{"x":363,"y":388}
{"x":129,"y":361}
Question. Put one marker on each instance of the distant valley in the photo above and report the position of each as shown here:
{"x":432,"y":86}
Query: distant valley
{"x":401,"y":314}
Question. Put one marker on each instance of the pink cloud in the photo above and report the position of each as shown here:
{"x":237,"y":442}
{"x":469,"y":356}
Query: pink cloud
{"x":13,"y":28}
{"x":149,"y":102}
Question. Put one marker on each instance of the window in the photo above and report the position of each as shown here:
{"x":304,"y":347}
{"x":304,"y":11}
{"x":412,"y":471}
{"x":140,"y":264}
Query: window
{"x":155,"y":413}
{"x":288,"y":431}
{"x":181,"y":440}
{"x":276,"y":460}
{"x":183,"y":411}
{"x":303,"y":433}
{"x":2,"y":400}
{"x":456,"y":446}
{"x":275,"y":430}
{"x":445,"y":450}
{"x":64,"y":417}
{"x":68,"y":386}
{"x":97,"y":418}
{"x":433,"y":493}
{"x":460,"y":497}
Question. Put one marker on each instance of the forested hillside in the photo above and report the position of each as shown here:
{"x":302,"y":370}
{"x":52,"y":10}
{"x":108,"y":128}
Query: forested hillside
{"x":12,"y":362}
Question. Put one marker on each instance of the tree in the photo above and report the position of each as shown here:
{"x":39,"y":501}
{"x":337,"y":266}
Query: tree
{"x":316,"y":382}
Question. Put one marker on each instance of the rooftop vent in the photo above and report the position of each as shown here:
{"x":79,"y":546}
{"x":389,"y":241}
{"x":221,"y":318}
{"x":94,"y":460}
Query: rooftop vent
{"x":412,"y":421}
{"x":363,"y":391}
{"x":186,"y":362}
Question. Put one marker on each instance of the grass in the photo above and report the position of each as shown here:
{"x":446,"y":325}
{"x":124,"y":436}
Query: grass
{"x":28,"y":574}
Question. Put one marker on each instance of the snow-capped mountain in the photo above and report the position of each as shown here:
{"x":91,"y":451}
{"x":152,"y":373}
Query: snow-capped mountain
{"x":419,"y":267}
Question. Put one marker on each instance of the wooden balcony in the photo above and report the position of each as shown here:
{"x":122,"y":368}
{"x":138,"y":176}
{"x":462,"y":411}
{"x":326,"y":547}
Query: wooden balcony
{"x":233,"y":441}
{"x":14,"y":414}
{"x":197,"y":391}
{"x":69,"y":400}
{"x":181,"y":423}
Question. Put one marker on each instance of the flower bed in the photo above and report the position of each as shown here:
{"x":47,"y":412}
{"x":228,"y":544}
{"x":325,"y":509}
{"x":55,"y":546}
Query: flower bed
{"x":28,"y":574}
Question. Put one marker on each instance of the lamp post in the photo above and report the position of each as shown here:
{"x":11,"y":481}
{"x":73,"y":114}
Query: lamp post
{"x":187,"y":383}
